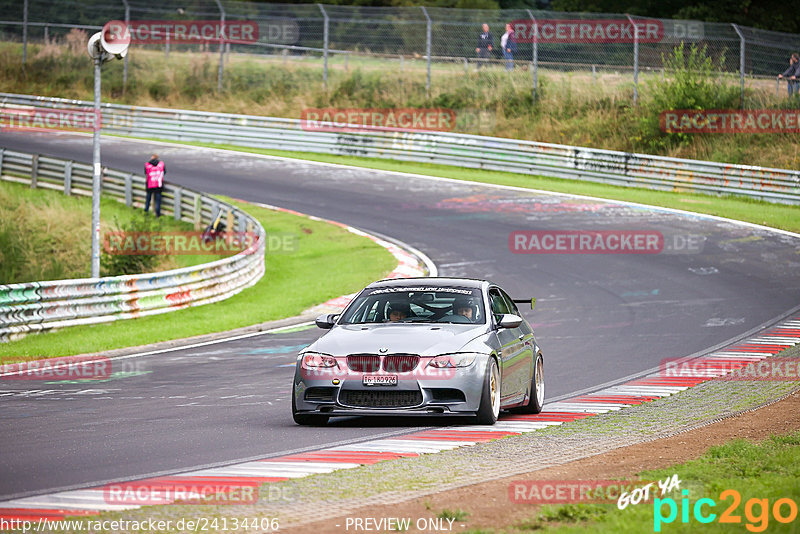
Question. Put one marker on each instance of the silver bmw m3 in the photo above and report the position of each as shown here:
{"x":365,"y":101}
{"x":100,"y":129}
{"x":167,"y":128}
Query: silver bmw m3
{"x":421,"y":346}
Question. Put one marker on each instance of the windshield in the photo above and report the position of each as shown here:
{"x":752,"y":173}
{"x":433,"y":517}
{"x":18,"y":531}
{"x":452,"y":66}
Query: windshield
{"x":416,"y":305}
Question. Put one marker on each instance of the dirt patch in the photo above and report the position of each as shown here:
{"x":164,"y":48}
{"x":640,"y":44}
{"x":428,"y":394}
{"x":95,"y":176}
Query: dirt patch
{"x":488,"y":503}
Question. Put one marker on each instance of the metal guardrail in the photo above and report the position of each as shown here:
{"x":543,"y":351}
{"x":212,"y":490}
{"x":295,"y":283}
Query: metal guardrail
{"x":463,"y":150}
{"x":37,"y":306}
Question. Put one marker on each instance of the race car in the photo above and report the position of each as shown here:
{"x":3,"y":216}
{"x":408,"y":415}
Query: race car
{"x":421,"y":346}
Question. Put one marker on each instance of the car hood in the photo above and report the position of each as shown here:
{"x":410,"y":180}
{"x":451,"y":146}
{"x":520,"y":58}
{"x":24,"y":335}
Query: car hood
{"x":422,"y":339}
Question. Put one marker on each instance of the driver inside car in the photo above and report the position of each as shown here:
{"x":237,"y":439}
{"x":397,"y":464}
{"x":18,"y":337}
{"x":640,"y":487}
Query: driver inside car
{"x":398,"y":311}
{"x":464,"y":307}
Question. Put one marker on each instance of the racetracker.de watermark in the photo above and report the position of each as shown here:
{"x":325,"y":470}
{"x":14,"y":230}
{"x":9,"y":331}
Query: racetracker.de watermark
{"x":571,"y":491}
{"x":774,"y":369}
{"x":603,"y":242}
{"x":392,"y":119}
{"x":45,"y":119}
{"x":588,"y":31}
{"x":62,"y":368}
{"x":180,"y":31}
{"x":167,"y":491}
{"x":730,"y":121}
{"x":178,"y":243}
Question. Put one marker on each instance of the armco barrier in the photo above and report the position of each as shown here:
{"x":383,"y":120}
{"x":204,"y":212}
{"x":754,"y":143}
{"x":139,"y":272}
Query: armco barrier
{"x":38,"y":306}
{"x":527,"y":157}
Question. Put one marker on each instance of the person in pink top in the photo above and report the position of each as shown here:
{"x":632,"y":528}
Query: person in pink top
{"x":154,"y":170}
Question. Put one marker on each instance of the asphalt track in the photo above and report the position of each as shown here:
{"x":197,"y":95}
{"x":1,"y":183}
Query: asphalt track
{"x":599,"y":317}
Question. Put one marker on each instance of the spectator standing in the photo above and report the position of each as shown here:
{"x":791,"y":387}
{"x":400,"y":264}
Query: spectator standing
{"x":154,"y":170}
{"x":485,"y":45}
{"x":792,"y":75}
{"x":509,"y":47}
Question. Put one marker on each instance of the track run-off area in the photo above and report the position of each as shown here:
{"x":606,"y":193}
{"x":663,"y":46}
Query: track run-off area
{"x":601,"y":318}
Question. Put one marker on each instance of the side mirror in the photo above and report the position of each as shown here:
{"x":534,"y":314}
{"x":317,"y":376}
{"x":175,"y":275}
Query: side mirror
{"x":509,"y":320}
{"x":326,"y":320}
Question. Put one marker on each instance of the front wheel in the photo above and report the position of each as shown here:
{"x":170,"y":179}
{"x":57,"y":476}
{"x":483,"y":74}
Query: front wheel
{"x":307,"y":419}
{"x":489,"y":409}
{"x":536,"y":395}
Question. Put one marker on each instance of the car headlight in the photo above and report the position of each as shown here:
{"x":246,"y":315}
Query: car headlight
{"x":461,"y":359}
{"x":315,"y":360}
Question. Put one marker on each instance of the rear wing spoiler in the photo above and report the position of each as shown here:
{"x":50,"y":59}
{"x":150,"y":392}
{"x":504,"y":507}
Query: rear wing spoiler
{"x":531,"y":300}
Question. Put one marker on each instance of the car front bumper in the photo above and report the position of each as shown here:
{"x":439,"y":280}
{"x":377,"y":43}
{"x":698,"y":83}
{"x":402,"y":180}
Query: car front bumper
{"x":457,"y":392}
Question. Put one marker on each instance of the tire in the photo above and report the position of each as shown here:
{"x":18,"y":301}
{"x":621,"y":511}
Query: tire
{"x":307,"y":419}
{"x":489,"y":408}
{"x":536,"y":397}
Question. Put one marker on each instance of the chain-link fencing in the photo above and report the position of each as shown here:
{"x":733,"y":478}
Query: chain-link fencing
{"x":429,"y":45}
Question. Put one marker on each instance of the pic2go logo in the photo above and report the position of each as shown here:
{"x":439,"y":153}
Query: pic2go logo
{"x":757,"y":511}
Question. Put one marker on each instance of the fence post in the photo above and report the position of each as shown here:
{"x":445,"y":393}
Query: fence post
{"x":176,"y":203}
{"x":635,"y":60}
{"x":325,"y":36}
{"x":535,"y":53}
{"x":34,"y":170}
{"x":428,"y":50}
{"x":24,"y":33}
{"x":129,"y":190}
{"x":221,"y":45}
{"x":229,"y":221}
{"x":125,"y":61}
{"x":198,"y":211}
{"x":47,"y":34}
{"x":741,"y":63}
{"x":68,"y":178}
{"x":166,"y":45}
{"x":2,"y":153}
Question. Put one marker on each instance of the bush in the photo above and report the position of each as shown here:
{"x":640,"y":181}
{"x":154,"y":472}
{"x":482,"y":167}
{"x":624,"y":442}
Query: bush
{"x":692,"y":81}
{"x":119,"y":264}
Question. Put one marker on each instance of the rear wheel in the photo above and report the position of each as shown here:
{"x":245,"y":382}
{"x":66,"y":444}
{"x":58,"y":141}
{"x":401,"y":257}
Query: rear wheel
{"x":489,"y":409}
{"x":307,"y":419}
{"x":536,"y":394}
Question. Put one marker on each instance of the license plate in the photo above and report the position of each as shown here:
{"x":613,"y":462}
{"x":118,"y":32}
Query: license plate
{"x":379,"y":380}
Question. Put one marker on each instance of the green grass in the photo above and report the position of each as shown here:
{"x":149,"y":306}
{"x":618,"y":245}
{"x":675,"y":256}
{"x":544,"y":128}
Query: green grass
{"x":781,"y":216}
{"x":768,"y":470}
{"x":571,"y":108}
{"x":34,"y":248}
{"x":294,"y":281}
{"x":456,"y":515}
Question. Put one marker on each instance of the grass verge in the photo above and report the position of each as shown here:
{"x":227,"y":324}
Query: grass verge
{"x":46,"y":235}
{"x":761,"y":474}
{"x":780,"y":216}
{"x":294,"y":281}
{"x":574,"y":108}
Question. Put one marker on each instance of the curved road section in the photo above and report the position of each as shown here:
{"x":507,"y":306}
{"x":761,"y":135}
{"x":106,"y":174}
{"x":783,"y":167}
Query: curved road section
{"x":619,"y":289}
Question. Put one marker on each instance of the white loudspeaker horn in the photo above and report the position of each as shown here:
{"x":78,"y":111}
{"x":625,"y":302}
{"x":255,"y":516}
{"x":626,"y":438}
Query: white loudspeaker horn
{"x":95,"y":48}
{"x":115,"y":38}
